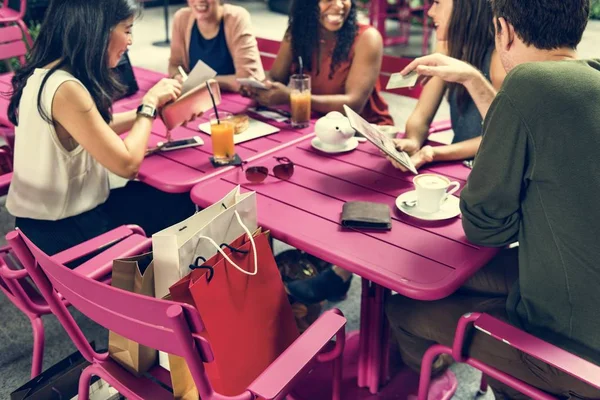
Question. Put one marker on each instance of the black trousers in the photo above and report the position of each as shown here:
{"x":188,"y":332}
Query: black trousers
{"x":136,"y":203}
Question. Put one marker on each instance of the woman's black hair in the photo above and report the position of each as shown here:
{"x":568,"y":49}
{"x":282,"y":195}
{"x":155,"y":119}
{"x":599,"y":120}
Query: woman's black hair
{"x":76,"y":34}
{"x":470,"y":39}
{"x":304,"y":28}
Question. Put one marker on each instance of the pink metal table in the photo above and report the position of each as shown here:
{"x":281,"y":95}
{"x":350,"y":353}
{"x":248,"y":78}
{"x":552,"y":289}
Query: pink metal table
{"x":178,"y":171}
{"x":422,"y":260}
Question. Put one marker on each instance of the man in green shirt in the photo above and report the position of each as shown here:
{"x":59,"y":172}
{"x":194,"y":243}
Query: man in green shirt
{"x":535,"y":180}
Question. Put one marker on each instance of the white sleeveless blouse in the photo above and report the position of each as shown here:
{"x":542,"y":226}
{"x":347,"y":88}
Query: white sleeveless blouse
{"x":49,"y":182}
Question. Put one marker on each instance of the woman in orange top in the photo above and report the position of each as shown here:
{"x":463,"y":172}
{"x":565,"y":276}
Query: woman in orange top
{"x":342,"y":58}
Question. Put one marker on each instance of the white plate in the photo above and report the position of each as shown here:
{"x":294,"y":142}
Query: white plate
{"x":350,"y":145}
{"x":449,"y":209}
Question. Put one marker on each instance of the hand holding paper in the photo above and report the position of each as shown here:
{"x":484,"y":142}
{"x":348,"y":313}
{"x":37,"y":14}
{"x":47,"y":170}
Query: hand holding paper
{"x":398,"y":80}
{"x":195,"y":97}
{"x":200,"y":74}
{"x":445,"y":67}
{"x":383,"y":142}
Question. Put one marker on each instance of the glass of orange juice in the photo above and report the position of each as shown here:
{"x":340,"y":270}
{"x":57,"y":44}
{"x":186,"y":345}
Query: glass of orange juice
{"x":221,"y":132}
{"x":300,"y":100}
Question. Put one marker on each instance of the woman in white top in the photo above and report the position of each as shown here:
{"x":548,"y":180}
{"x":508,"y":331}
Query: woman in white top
{"x":67,"y":138}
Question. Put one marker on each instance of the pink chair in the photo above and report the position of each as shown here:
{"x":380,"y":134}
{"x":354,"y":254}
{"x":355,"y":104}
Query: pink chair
{"x":11,"y":45}
{"x":268,"y":50}
{"x":15,"y":282}
{"x":380,"y":11}
{"x":171,"y":327}
{"x":548,"y":353}
{"x":9,"y":16}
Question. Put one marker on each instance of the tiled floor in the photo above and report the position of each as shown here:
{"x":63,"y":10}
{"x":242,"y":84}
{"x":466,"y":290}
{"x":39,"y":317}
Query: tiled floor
{"x":15,"y":331}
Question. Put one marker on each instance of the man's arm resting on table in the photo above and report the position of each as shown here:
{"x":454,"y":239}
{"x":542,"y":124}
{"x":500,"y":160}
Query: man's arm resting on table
{"x":491,"y":200}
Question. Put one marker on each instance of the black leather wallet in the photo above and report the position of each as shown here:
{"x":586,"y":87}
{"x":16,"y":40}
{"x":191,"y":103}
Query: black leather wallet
{"x":367,"y":215}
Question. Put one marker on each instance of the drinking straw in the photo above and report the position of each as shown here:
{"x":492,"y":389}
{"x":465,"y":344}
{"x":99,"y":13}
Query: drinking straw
{"x":301,"y":64}
{"x":212,"y":98}
{"x":182,"y":73}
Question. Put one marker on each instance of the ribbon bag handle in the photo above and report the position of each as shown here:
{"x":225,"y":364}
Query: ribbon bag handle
{"x":220,"y":250}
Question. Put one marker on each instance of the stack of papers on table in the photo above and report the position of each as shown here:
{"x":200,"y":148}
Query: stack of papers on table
{"x":255,"y":130}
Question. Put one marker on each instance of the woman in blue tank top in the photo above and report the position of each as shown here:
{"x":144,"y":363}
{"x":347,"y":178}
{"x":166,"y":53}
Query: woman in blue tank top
{"x":221,"y":36}
{"x":464,"y":31}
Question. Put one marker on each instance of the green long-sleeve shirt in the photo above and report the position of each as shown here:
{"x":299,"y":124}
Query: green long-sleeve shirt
{"x":536,"y":180}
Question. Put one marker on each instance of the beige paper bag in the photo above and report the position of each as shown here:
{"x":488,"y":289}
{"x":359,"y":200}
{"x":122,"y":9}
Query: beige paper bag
{"x":183,"y":384}
{"x":136,"y":275}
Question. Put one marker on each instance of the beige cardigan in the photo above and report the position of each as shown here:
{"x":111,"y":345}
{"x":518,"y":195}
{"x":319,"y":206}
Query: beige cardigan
{"x":238,"y":34}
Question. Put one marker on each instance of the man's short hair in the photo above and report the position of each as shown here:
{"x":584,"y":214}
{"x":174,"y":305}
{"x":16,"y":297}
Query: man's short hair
{"x":545,"y":24}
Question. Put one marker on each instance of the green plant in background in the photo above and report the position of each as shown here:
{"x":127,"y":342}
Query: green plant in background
{"x":13,"y":63}
{"x":595,"y":12}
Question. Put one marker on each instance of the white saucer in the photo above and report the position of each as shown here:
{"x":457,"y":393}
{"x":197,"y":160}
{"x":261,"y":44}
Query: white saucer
{"x":350,"y":145}
{"x":450,"y":208}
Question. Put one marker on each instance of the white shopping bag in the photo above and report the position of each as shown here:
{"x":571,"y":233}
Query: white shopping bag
{"x":178,"y":246}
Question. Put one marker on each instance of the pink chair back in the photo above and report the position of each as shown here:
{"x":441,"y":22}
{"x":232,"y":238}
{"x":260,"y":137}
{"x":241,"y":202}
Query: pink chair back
{"x":10,"y":15}
{"x":569,"y":363}
{"x":12,"y":44}
{"x":268,"y":50}
{"x":160,"y":324}
{"x":121,"y":242}
{"x":166,"y":326}
{"x":16,"y":286}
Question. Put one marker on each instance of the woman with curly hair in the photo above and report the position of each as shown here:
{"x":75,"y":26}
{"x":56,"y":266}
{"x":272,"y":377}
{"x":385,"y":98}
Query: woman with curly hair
{"x":342,"y":57}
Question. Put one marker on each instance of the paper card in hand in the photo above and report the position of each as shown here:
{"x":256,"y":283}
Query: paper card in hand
{"x":398,"y":80}
{"x":200,"y":74}
{"x":383,"y":142}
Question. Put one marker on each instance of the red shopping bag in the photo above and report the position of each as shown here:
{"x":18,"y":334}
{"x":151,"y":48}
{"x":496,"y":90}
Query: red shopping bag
{"x":248,"y":318}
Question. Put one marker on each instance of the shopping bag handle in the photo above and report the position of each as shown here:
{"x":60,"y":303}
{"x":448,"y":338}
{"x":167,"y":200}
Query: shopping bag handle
{"x":220,"y":250}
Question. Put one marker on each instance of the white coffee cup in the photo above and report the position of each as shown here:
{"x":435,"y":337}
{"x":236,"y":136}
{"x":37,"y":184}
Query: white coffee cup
{"x":432,"y":191}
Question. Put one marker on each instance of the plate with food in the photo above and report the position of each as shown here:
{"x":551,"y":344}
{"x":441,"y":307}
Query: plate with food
{"x":246,"y":128}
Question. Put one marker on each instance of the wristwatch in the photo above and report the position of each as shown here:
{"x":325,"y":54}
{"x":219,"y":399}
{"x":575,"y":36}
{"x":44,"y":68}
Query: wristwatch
{"x":147,"y":110}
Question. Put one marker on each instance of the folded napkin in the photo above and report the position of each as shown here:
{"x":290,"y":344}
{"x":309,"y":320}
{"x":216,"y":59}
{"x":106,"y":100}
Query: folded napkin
{"x":363,"y":214}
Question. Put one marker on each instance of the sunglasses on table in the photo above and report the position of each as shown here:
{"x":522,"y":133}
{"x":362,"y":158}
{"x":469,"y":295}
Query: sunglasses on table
{"x":257,"y":174}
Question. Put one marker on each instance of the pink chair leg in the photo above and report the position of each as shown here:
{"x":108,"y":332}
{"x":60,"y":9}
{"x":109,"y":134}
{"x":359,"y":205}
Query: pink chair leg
{"x":84,"y":383}
{"x":337,"y":378}
{"x":483,"y":386}
{"x":426,"y":364}
{"x":38,"y":345}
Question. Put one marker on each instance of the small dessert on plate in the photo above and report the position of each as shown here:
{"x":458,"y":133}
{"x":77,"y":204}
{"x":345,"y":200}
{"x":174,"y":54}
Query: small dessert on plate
{"x":241,"y":123}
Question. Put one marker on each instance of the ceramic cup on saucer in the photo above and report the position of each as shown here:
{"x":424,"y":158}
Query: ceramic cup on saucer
{"x":432,"y":191}
{"x":333,"y":132}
